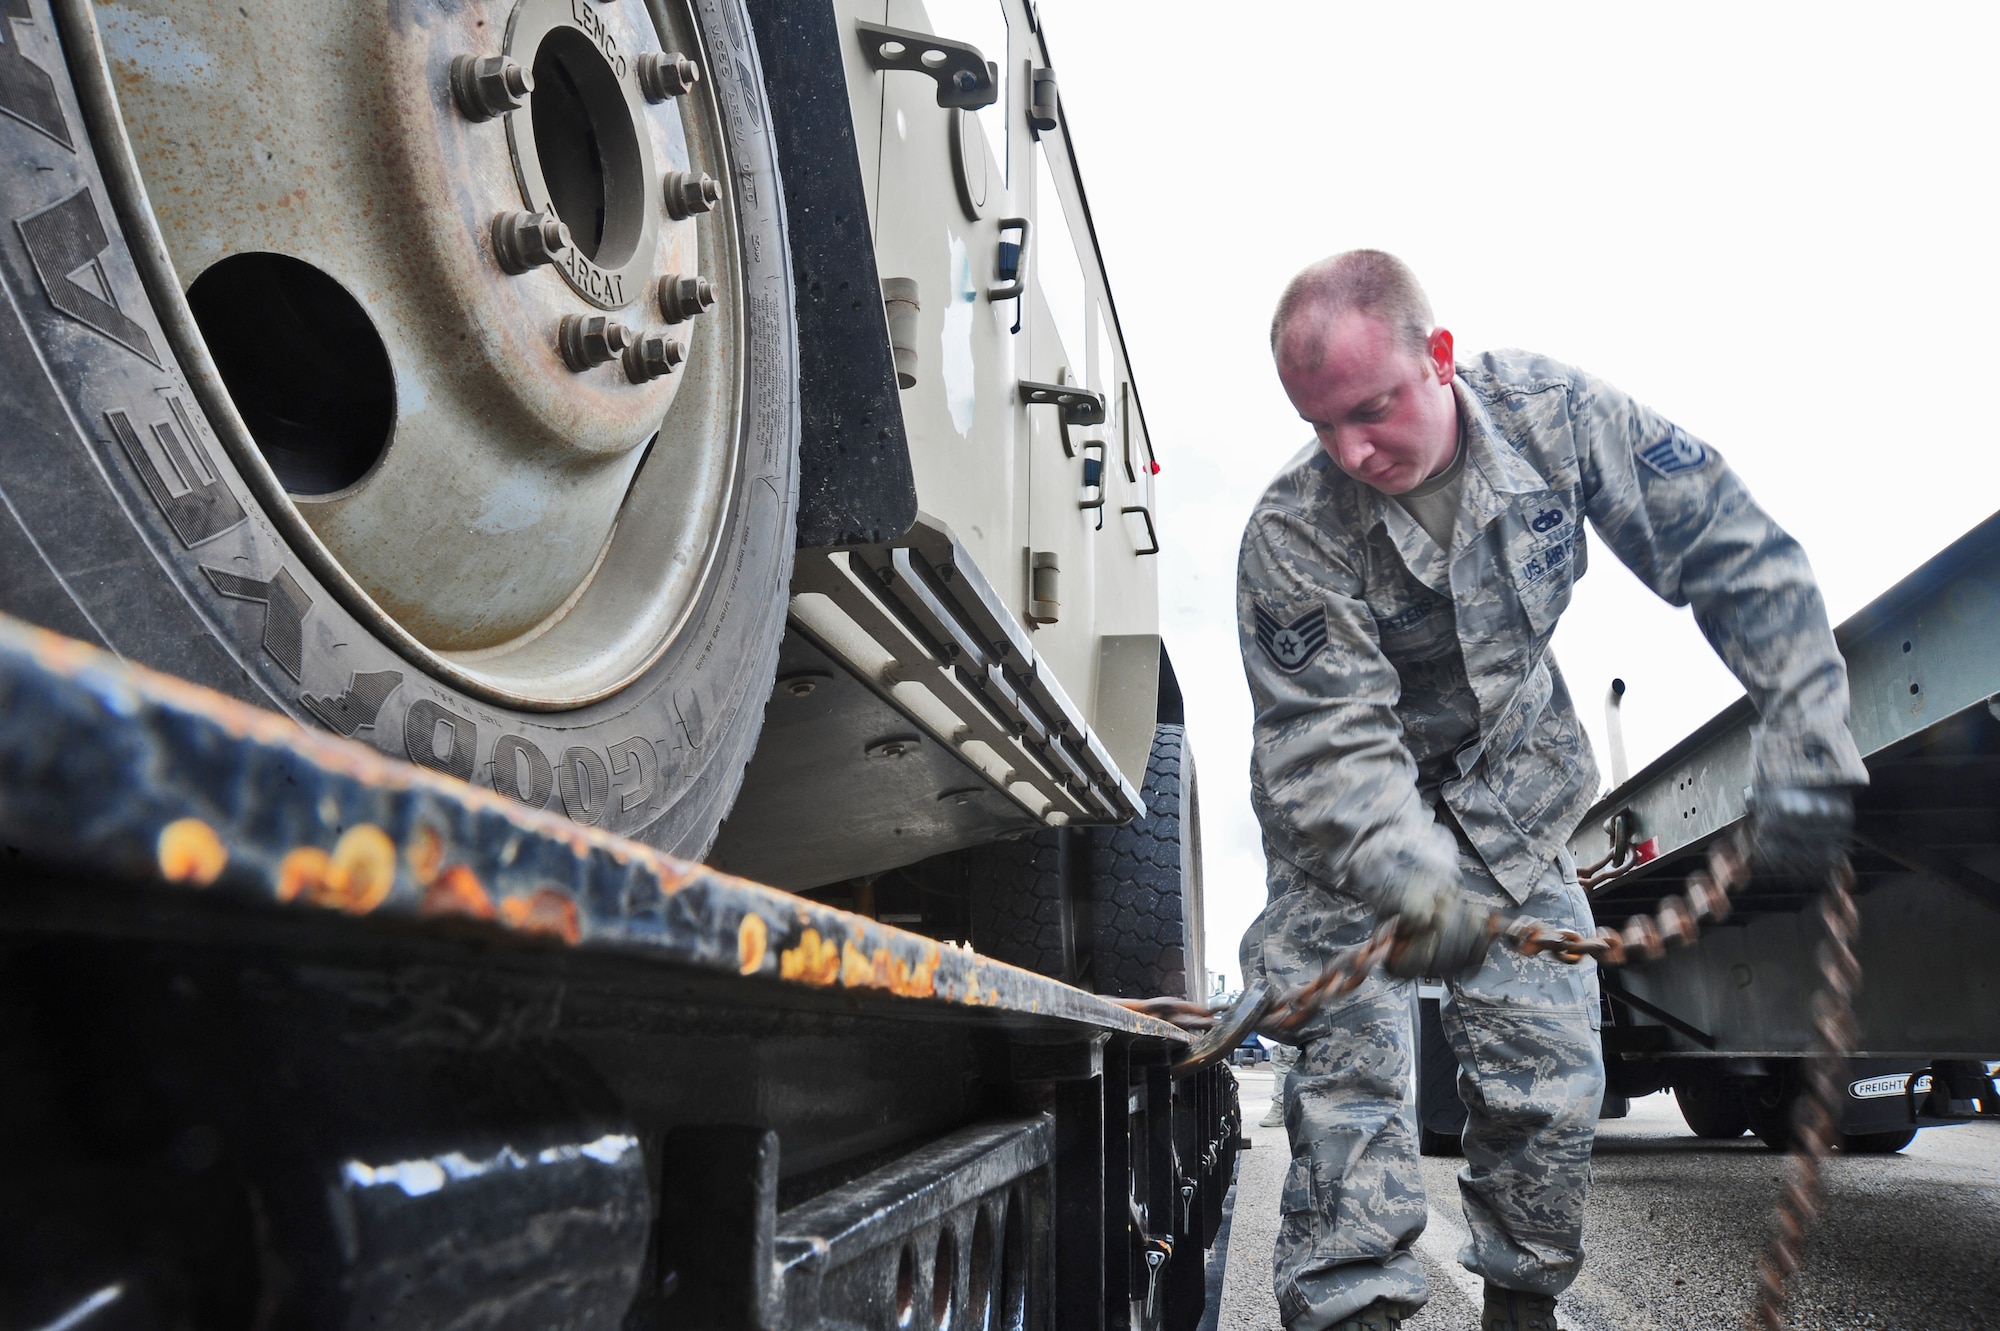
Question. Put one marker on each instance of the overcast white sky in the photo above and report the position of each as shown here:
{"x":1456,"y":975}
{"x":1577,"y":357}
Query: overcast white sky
{"x":1773,"y":223}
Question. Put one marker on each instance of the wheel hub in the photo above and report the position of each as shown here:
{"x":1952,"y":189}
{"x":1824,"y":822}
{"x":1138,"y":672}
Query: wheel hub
{"x":474,"y":223}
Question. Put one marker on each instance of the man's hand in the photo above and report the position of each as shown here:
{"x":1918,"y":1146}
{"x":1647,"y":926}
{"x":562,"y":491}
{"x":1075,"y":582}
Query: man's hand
{"x":1801,"y":832}
{"x":1440,"y":932}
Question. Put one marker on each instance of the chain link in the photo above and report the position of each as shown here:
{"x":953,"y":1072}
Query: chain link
{"x":1817,"y":1123}
{"x":1676,"y":921}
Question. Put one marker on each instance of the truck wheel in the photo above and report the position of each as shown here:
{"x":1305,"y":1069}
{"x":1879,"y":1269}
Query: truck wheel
{"x":1440,"y":1113}
{"x":1145,"y":884}
{"x":425,"y":374}
{"x":1711,"y":1105}
{"x":1768,"y":1105}
{"x":1020,"y":899}
{"x":1879,"y":1143}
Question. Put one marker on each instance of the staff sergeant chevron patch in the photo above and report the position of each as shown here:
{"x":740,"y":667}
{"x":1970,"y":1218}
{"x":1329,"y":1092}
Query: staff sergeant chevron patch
{"x":1292,"y":646}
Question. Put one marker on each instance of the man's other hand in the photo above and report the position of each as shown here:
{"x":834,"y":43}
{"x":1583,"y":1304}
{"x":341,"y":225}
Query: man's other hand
{"x":1440,"y":932}
{"x":1801,"y":832}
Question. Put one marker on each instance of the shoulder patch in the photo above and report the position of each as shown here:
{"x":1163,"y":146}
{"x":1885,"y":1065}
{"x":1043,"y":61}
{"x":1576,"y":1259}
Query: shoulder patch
{"x":1674,"y":454}
{"x":1291,"y":646}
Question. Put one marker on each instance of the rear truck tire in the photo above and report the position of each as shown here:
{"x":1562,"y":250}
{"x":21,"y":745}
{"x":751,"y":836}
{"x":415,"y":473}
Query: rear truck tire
{"x":1116,"y":910}
{"x":1145,"y":884}
{"x":1440,"y":1145}
{"x":1878,"y":1143}
{"x":1019,"y":897}
{"x":1440,"y":1113}
{"x":1711,"y":1105}
{"x":1769,"y":1103}
{"x":326,"y":448}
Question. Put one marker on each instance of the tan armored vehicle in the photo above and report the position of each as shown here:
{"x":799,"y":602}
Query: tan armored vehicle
{"x":597,"y":401}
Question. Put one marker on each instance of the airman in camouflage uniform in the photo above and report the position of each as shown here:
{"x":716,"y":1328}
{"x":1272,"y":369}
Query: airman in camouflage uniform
{"x":1412,"y":730}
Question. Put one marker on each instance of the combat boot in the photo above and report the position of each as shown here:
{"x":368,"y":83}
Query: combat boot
{"x":1515,"y":1310}
{"x":1377,"y":1316}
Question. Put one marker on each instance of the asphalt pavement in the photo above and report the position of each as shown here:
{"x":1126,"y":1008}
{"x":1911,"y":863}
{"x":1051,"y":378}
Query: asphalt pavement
{"x":1675,"y":1226}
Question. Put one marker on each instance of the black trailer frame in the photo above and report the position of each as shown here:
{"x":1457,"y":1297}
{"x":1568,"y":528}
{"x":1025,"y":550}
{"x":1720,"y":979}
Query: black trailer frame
{"x":298,"y":1034}
{"x":1924,"y":674}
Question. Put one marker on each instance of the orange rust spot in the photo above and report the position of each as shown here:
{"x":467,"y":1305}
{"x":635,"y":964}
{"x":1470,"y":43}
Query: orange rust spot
{"x":546,"y":911}
{"x":815,"y":960}
{"x":457,"y":891}
{"x":922,"y":981}
{"x":425,"y":855}
{"x":752,"y":938}
{"x":362,"y":870}
{"x":856,"y":968}
{"x":190,"y":852}
{"x":302,"y":872}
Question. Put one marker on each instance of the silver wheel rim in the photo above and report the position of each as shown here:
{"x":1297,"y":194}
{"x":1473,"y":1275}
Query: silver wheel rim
{"x":624,"y":483}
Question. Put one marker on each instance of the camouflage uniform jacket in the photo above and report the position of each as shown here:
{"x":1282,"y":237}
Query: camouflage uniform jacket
{"x":1388,"y":674}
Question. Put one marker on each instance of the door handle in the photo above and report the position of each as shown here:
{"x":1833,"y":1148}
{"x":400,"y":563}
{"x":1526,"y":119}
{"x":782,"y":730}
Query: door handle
{"x":1152,"y":535}
{"x":1012,"y":261}
{"x":1093,"y":479}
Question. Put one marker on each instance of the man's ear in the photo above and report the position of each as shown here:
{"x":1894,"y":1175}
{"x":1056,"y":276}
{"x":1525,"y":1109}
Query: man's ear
{"x":1439,"y":347}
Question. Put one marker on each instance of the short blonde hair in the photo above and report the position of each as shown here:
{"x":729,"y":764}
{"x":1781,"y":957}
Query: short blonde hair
{"x":1374,"y":282}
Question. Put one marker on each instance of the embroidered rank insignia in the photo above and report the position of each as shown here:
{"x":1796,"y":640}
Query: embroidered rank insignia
{"x":1674,"y":454}
{"x":1291,"y":646}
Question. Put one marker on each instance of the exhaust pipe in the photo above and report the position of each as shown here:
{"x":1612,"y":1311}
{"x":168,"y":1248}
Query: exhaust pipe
{"x":1614,"y":725}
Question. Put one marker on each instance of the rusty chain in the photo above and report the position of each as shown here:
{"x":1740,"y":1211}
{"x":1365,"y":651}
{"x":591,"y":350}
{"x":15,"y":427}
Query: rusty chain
{"x":1676,"y":921}
{"x":1817,"y":1122}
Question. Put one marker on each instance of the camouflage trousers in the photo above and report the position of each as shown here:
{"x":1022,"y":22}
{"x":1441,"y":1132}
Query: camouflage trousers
{"x":1531,"y":1074}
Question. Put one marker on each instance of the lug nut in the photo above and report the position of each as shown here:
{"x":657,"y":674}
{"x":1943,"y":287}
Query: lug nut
{"x":690,"y":192}
{"x":684,"y":297}
{"x":664,"y":74}
{"x":591,"y":339}
{"x":486,"y":86}
{"x":526,"y":240}
{"x":653,"y":355}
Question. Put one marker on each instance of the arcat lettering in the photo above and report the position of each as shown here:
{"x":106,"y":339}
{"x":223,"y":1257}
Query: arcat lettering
{"x":592,"y":282}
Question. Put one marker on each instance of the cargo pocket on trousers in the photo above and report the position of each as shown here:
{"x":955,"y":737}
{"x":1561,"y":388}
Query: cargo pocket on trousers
{"x":1297,"y":1197}
{"x":1533,"y":1066}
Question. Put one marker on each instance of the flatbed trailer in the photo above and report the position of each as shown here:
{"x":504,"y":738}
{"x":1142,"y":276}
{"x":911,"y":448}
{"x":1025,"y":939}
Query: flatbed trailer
{"x":1727,"y":1022}
{"x":1733,"y":1013}
{"x":298,"y":1034}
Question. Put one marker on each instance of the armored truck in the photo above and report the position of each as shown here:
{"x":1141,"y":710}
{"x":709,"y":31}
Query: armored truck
{"x":620,"y":434}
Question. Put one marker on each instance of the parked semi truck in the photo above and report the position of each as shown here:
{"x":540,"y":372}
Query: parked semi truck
{"x":541,"y":445}
{"x":1727,"y":1022}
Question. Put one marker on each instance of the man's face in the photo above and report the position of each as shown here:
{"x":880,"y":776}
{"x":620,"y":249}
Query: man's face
{"x":1385,"y":415}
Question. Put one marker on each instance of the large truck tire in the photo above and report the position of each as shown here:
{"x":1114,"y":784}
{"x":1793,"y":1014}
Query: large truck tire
{"x":1022,"y":904}
{"x":289,"y":409}
{"x":1145,"y":884}
{"x":1711,"y":1104}
{"x":1440,"y":1113}
{"x":1116,"y":910}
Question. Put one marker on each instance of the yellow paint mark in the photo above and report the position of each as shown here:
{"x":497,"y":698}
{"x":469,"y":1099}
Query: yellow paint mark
{"x":190,"y":852}
{"x":362,"y":870}
{"x":425,"y":855}
{"x":815,"y":960}
{"x":302,"y":872}
{"x":546,"y":911}
{"x":458,"y":891}
{"x":752,"y":938}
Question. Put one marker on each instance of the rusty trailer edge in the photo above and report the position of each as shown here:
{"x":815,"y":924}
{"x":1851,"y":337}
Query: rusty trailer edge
{"x":118,"y":769}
